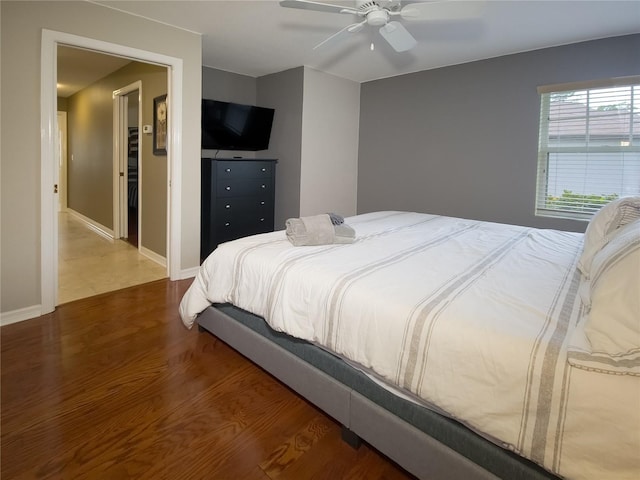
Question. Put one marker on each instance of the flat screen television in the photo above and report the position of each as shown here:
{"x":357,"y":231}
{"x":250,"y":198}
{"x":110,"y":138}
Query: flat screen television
{"x":233,"y":126}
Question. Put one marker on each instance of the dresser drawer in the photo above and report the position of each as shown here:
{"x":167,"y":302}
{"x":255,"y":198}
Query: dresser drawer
{"x":236,"y":207}
{"x":243,"y":169}
{"x":242,"y":227}
{"x":233,"y":187}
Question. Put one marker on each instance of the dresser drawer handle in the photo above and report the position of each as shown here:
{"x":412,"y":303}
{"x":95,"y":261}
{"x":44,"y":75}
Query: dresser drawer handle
{"x":227,"y":206}
{"x":262,"y":219}
{"x":227,"y":224}
{"x":264,"y":169}
{"x":227,"y":170}
{"x":262,"y":203}
{"x":227,"y":188}
{"x":263,"y":186}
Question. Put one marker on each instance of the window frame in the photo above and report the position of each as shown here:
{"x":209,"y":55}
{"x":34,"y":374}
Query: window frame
{"x":542,"y":208}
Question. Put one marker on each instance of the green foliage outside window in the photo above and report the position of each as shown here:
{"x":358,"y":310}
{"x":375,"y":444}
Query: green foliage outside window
{"x":577,"y":201}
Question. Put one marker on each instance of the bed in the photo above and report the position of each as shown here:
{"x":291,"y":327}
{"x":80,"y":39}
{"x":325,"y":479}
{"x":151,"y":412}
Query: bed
{"x":459,"y":348}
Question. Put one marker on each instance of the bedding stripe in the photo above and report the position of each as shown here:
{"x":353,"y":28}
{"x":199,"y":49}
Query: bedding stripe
{"x":608,"y":359}
{"x":241,"y":255}
{"x":564,"y":400}
{"x":546,"y":363}
{"x":238,"y":261}
{"x":376,"y":218}
{"x":399,"y":228}
{"x":344,"y":283}
{"x":276,"y":280}
{"x":549,"y":370}
{"x":437,"y":302}
{"x":562,"y":417}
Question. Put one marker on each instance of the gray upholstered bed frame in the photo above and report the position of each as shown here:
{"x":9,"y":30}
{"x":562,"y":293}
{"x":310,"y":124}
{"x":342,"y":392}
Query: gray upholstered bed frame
{"x":423,"y":442}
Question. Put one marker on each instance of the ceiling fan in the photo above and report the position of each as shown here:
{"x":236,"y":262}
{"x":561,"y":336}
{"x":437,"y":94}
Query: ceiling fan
{"x":380,"y":13}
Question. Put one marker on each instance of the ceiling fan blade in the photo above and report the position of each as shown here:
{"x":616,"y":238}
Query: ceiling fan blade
{"x":353,"y":28}
{"x":437,"y":11}
{"x":319,"y":7}
{"x":398,"y":36}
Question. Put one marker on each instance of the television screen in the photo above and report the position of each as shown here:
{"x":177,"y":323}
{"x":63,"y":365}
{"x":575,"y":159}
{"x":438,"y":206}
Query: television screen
{"x":232,"y":126}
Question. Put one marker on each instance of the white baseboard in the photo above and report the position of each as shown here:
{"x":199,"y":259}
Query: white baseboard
{"x":188,"y":273}
{"x":101,"y":230}
{"x":28,"y":313}
{"x":151,"y":255}
{"x":19,"y":315}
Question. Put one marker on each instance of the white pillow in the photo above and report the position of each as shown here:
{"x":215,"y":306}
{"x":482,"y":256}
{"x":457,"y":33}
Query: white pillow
{"x":611,"y":327}
{"x":607,"y":220}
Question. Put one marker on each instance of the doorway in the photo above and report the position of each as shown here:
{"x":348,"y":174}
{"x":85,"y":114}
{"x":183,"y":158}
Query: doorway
{"x":49,"y":195}
{"x":133,"y":166}
{"x":98,"y":237}
{"x":127,"y":172}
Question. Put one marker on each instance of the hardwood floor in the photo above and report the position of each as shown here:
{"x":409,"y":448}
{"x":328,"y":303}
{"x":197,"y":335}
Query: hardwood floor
{"x":114,"y":387}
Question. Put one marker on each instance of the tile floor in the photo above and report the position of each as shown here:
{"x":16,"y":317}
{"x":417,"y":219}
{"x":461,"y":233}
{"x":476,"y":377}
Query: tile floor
{"x":89,"y":264}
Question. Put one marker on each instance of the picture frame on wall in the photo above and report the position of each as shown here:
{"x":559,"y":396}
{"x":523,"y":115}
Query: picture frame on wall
{"x":160,"y":125}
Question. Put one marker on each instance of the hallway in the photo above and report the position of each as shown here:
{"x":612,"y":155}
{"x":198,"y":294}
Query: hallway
{"x":89,"y":264}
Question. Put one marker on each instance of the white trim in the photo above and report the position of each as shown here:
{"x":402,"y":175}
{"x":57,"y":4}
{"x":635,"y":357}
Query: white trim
{"x":151,"y":255}
{"x":27,"y":313}
{"x":104,"y":232}
{"x":174,"y":174}
{"x":48,"y":116}
{"x":115,"y":165}
{"x":189,"y":273}
{"x":587,"y":84}
{"x":64,"y":163}
{"x":48,"y":207}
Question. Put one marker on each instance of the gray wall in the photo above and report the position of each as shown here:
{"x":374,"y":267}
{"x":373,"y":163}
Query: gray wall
{"x":228,"y":87}
{"x":462,"y":140}
{"x":90,"y":151}
{"x":329,"y":159}
{"x":284,"y":92}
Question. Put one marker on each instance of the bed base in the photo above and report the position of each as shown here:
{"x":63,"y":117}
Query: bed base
{"x":416,"y":452}
{"x":362,"y":418}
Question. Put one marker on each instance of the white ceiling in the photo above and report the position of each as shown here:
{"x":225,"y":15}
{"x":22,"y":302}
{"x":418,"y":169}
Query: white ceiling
{"x":256,"y":38}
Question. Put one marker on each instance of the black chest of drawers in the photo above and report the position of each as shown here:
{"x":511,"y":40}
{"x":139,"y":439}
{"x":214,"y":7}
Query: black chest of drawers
{"x":237,"y":200}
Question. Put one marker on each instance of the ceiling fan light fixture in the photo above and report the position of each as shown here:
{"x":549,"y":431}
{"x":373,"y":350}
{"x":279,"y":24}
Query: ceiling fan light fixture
{"x":378,"y":12}
{"x":377,"y":18}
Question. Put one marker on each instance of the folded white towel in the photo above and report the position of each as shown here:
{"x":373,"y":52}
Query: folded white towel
{"x":344,"y":233}
{"x":317,"y":230}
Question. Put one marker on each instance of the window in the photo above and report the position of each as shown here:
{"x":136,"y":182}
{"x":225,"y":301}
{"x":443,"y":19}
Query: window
{"x":589,"y":150}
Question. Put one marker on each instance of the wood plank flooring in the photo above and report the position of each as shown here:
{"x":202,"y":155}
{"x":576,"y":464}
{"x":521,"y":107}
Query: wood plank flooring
{"x":114,"y":387}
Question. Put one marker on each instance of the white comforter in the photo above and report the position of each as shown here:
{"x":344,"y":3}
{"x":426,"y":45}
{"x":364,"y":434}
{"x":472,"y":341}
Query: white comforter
{"x":471,"y":317}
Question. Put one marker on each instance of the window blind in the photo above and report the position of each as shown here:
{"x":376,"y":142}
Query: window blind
{"x":589,"y":147}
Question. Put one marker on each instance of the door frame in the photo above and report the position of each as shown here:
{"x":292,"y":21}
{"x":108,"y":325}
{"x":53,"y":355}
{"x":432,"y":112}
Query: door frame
{"x":62,"y":160}
{"x":48,"y":127}
{"x":120,"y":158}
